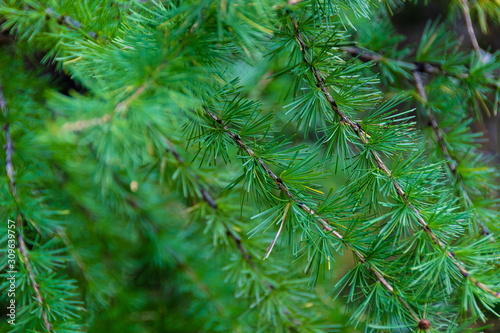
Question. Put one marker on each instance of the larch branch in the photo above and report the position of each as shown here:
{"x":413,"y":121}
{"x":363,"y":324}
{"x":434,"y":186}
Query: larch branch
{"x":244,"y":253}
{"x":322,"y":222}
{"x":362,"y":135}
{"x":9,"y":151}
{"x":121,"y":108}
{"x":451,"y":162}
{"x":415,"y":66}
{"x":470,"y":28}
{"x":211,"y":202}
{"x":68,"y":21}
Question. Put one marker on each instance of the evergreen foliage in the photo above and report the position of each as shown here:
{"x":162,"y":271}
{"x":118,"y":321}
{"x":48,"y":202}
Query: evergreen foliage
{"x":172,"y":189}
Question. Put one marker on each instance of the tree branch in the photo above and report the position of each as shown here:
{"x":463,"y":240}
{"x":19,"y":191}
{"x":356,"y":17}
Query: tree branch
{"x":323,"y":223}
{"x":417,"y":68}
{"x":211,"y":202}
{"x":364,"y":139}
{"x":451,"y":162}
{"x":434,"y":124}
{"x":67,"y":21}
{"x":244,"y":253}
{"x":470,"y":28}
{"x":411,"y":66}
{"x":420,"y":67}
{"x":9,"y":150}
{"x":120,"y":108}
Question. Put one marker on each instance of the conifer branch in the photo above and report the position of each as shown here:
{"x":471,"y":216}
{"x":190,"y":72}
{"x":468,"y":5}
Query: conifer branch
{"x":419,"y":251}
{"x":470,"y":28}
{"x":415,"y":66}
{"x":364,"y":138}
{"x":421,"y":67}
{"x":323,"y":223}
{"x":244,"y":253}
{"x":68,"y":21}
{"x":80,"y":125}
{"x":120,"y":108}
{"x":31,"y":274}
{"x":434,"y":124}
{"x":9,"y":151}
{"x":3,"y":103}
{"x":451,"y":162}
{"x":211,"y":202}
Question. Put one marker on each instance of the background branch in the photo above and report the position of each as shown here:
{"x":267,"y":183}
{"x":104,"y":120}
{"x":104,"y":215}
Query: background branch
{"x":451,"y":163}
{"x":9,"y":151}
{"x":470,"y":28}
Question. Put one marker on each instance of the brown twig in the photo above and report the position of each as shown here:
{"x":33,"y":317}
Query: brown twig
{"x":3,"y":103}
{"x":451,"y":162}
{"x":230,"y":232}
{"x":420,"y":67}
{"x":362,"y":135}
{"x":411,"y":66}
{"x":31,"y":273}
{"x":9,"y":167}
{"x":120,"y":109}
{"x":470,"y":28}
{"x":67,"y":21}
{"x":323,"y":223}
{"x":270,"y":248}
{"x":211,"y":202}
{"x":434,"y":124}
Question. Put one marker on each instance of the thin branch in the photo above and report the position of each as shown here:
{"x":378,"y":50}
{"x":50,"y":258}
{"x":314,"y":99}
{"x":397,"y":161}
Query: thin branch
{"x":208,"y":199}
{"x":421,"y":67}
{"x":470,"y":28}
{"x":3,"y":103}
{"x":121,"y":108}
{"x":230,"y":232}
{"x":323,"y":223}
{"x":31,"y":274}
{"x":411,"y":66}
{"x":434,"y":124}
{"x":9,"y":150}
{"x":270,"y":248}
{"x":67,"y":21}
{"x":417,"y":68}
{"x":451,"y":162}
{"x":83,"y":124}
{"x":365,"y":140}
